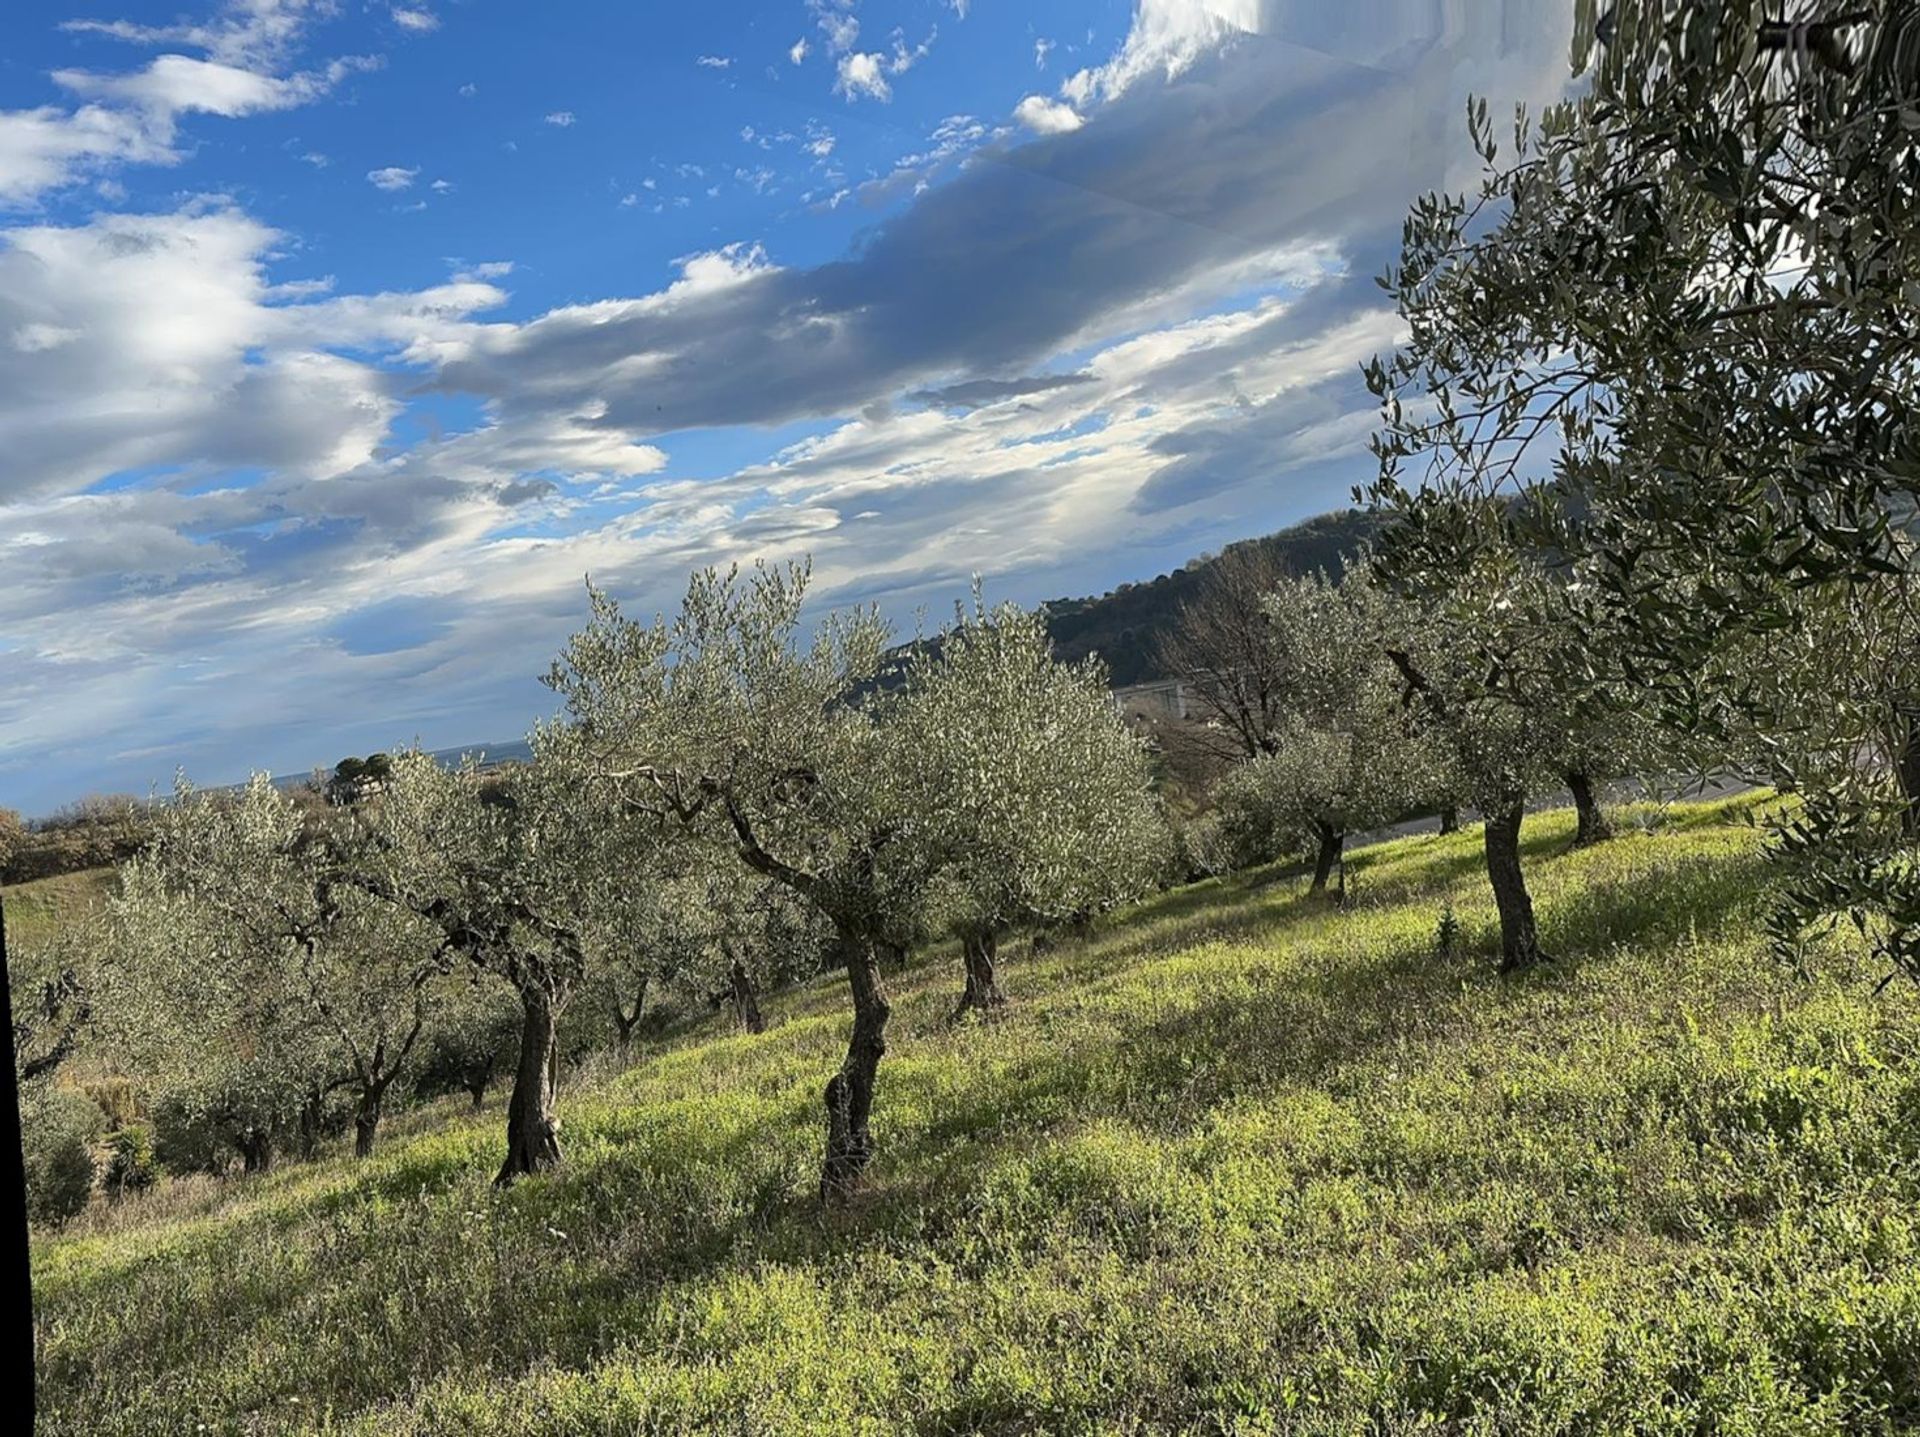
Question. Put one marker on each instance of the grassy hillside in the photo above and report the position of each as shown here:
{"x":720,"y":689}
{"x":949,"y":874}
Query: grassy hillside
{"x":1238,"y":1163}
{"x":36,"y":909}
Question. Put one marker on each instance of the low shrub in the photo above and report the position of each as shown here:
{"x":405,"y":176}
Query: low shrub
{"x":131,"y":1165}
{"x":57,"y":1142}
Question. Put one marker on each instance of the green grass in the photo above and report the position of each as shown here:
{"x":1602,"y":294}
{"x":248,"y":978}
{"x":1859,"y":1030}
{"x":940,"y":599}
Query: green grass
{"x":1239,"y":1163}
{"x":35,"y":910}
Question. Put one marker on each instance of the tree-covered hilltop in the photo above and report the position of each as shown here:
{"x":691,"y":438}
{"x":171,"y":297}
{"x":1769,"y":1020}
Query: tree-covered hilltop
{"x":1128,"y":626}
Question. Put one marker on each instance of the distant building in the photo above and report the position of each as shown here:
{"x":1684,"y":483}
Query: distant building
{"x":1162,"y":699}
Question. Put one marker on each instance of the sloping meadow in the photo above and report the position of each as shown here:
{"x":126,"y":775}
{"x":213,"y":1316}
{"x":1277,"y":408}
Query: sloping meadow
{"x":1239,"y":1162}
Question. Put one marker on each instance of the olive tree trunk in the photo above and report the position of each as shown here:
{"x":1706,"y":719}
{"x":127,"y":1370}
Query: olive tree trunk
{"x":849,"y":1093}
{"x":981,"y":950}
{"x":312,"y":1119}
{"x":1519,"y":940}
{"x":1592,"y":825}
{"x":627,"y":1022}
{"x":477,"y":1076}
{"x":1332,"y":844}
{"x":533,"y":1133}
{"x":1907,"y":770}
{"x":256,"y":1149}
{"x":366,"y":1118}
{"x":746,"y":1001}
{"x":1450,"y":819}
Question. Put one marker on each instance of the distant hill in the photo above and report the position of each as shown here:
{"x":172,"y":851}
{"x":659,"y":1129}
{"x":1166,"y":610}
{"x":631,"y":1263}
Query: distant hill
{"x":1123,"y":625}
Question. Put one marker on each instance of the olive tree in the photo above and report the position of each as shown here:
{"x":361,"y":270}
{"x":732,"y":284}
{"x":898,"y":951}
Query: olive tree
{"x":1828,"y":711}
{"x":1489,"y":664}
{"x":1033,"y":793}
{"x":1678,"y":310}
{"x":51,"y":982}
{"x":725,"y":721}
{"x":13,"y":836}
{"x":653,"y":925}
{"x":505,"y":869}
{"x":763,"y":934}
{"x":472,"y":1034}
{"x":248,"y":885}
{"x":1346,"y":754}
{"x":211,"y":1023}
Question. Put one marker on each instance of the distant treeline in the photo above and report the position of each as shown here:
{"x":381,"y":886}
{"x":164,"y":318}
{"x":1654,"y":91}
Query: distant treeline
{"x":1128,"y":626}
{"x":98,"y":830}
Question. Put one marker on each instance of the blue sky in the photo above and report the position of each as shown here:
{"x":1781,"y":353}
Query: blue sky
{"x":339,"y":341}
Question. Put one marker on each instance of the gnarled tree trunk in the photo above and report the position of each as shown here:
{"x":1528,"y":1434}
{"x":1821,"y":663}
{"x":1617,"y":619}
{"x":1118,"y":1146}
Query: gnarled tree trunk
{"x":312,"y":1117}
{"x":366,"y":1118}
{"x":981,"y":950}
{"x":376,"y":1075}
{"x":1591,"y":825}
{"x":1519,"y":940}
{"x":746,"y":1002}
{"x":1450,"y":819}
{"x":256,"y":1149}
{"x":1332,"y":843}
{"x":1907,"y":770}
{"x":627,"y":1022}
{"x":477,"y":1077}
{"x":533,"y":1133}
{"x":849,"y":1093}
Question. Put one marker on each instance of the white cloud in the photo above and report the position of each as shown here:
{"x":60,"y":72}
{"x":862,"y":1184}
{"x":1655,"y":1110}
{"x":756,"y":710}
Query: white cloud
{"x":142,"y":328}
{"x":714,"y":62}
{"x":1041,"y":49}
{"x":903,"y":59}
{"x":393,"y":177}
{"x":156,"y":345}
{"x":419,"y":20}
{"x":863,"y":73}
{"x":33,"y":338}
{"x":798,"y":52}
{"x":1047,"y":117}
{"x":563,"y":119}
{"x":836,"y":21}
{"x":468,"y":90}
{"x":255,"y":34}
{"x":1007,"y":368}
{"x":1168,"y":36}
{"x":133,"y":117}
{"x":178,"y":84}
{"x":45,"y":148}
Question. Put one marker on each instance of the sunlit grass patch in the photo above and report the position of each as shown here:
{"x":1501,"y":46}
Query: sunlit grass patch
{"x":1242,"y":1161}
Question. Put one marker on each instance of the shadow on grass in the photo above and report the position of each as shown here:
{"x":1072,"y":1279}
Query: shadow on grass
{"x":1298,"y":1022}
{"x":673,"y":1189}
